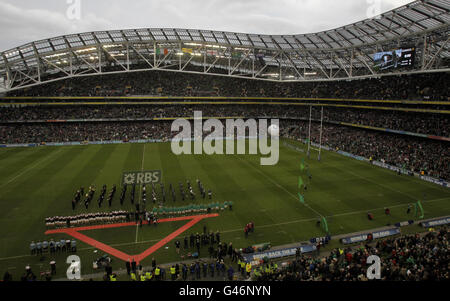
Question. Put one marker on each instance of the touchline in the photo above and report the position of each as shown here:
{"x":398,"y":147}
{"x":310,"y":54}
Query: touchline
{"x":213,"y":144}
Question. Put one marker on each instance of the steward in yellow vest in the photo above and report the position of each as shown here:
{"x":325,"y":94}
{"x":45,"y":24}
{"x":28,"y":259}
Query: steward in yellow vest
{"x":133,"y":277}
{"x":248,"y":269}
{"x":275,"y":267}
{"x":148,"y":276}
{"x":173,"y":272}
{"x":157,"y":273}
{"x":242,"y":268}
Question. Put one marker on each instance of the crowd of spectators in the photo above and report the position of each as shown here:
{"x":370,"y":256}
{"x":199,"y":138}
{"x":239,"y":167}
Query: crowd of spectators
{"x":417,"y":257}
{"x":423,"y":123}
{"x":162,"y":83}
{"x":410,"y":258}
{"x":406,"y":258}
{"x":415,"y":154}
{"x":432,"y":157}
{"x":80,"y":132}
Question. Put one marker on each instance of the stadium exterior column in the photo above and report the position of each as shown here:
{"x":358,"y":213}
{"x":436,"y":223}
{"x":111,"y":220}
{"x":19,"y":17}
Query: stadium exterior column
{"x":351,"y":63}
{"x":253,"y":63}
{"x":179,"y":60}
{"x":128,"y":56}
{"x":204,"y":59}
{"x":100,"y":58}
{"x":424,"y":50}
{"x":154,"y":54}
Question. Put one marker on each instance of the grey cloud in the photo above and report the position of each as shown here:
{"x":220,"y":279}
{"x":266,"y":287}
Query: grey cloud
{"x":22,"y":21}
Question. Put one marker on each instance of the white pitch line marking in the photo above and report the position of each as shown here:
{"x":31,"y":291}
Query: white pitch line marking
{"x":372,"y":181}
{"x":281,"y":187}
{"x":30,"y":168}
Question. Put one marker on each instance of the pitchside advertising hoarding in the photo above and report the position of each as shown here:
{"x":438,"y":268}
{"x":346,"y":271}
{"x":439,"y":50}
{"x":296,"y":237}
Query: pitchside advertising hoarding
{"x":141,"y":177}
{"x":279,"y":253}
{"x":375,"y":235}
{"x":436,"y":222}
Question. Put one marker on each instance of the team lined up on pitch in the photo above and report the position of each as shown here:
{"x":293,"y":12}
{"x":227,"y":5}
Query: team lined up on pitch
{"x":141,"y":214}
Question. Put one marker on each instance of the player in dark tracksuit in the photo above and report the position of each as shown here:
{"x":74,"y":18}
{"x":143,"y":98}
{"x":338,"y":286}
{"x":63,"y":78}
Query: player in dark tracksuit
{"x":197,"y":244}
{"x":122,"y":195}
{"x":133,"y":192}
{"x":184,"y":271}
{"x":218,"y":236}
{"x":192,"y":240}
{"x":205,"y":270}
{"x":211,"y":269}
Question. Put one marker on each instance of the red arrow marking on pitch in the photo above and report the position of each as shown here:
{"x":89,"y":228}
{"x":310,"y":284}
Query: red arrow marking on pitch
{"x":74,"y":232}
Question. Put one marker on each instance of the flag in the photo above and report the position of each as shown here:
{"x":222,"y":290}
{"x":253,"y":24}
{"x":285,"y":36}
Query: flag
{"x":325,"y":224}
{"x":236,"y":55}
{"x":301,"y":198}
{"x":419,"y":206}
{"x":300,"y":182}
{"x":212,"y":52}
{"x":158,"y":51}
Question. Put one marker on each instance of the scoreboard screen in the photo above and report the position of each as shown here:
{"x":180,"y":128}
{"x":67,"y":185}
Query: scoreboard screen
{"x":394,"y":59}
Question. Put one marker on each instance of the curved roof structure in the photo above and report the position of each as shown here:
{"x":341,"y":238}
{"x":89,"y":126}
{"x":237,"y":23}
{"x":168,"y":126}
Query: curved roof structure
{"x":341,"y":53}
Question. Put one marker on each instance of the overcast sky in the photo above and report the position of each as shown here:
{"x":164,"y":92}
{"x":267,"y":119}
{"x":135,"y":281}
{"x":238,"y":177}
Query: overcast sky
{"x":23,"y":21}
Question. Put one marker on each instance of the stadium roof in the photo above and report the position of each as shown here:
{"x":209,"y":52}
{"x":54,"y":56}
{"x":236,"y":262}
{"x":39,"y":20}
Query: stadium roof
{"x":347,"y":50}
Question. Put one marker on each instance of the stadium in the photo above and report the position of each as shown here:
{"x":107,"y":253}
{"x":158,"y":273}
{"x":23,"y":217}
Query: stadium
{"x":91,"y":188}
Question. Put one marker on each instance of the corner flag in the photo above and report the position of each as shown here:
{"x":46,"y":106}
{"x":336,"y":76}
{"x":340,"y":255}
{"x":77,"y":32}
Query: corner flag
{"x":325,"y":225}
{"x":301,"y":198}
{"x":300,"y":182}
{"x":302,"y":165}
{"x":418,"y":207}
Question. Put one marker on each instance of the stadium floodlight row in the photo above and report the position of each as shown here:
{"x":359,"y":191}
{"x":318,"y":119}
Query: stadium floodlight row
{"x":339,"y":54}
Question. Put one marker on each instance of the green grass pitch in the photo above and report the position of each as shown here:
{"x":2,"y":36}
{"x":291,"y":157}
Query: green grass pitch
{"x":40,"y":182}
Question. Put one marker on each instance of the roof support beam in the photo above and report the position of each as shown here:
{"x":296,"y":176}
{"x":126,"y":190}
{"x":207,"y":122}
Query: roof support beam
{"x":436,"y":54}
{"x":338,"y":54}
{"x":240,"y":62}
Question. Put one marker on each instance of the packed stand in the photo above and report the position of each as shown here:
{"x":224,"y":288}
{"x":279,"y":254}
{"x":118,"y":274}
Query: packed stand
{"x":423,"y":123}
{"x":80,"y":132}
{"x":407,"y":258}
{"x":412,"y":153}
{"x":430,"y":86}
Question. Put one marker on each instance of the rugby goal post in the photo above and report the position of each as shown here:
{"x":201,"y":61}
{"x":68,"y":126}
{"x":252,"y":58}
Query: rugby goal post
{"x":310,"y":146}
